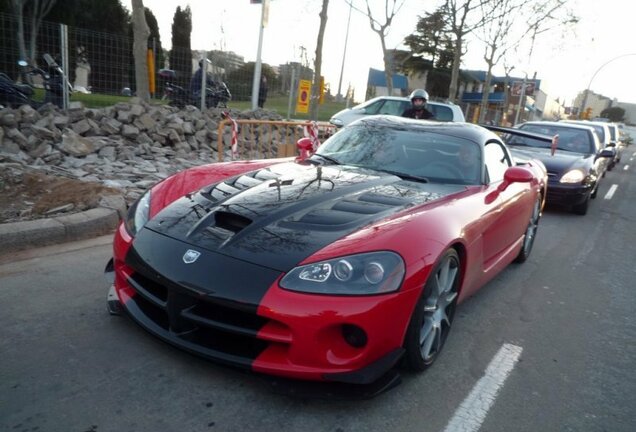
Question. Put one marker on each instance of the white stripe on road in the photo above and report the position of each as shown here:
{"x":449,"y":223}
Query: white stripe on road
{"x":473,"y":410}
{"x":626,"y":167}
{"x":610,"y":192}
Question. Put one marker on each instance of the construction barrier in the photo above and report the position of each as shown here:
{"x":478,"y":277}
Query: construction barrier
{"x":265,"y":139}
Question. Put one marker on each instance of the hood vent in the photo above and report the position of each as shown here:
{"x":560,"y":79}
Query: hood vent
{"x":228,"y":188}
{"x":231,"y":221}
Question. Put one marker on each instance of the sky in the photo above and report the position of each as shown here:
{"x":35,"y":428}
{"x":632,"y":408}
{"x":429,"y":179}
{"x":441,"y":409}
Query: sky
{"x":598,"y":51}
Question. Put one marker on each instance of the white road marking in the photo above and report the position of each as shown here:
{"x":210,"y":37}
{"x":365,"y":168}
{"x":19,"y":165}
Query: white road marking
{"x":473,"y":410}
{"x":610,"y":192}
{"x":626,"y":167}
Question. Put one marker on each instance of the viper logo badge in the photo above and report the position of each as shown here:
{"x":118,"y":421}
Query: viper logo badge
{"x":191,"y":256}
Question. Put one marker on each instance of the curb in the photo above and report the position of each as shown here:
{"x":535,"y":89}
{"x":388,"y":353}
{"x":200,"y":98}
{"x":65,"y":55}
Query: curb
{"x":17,"y":236}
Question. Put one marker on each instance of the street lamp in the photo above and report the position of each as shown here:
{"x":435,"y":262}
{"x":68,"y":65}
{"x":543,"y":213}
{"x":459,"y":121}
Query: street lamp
{"x":587,"y":91}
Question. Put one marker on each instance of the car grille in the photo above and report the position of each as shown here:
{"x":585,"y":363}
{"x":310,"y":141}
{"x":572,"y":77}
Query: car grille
{"x":217,"y":329}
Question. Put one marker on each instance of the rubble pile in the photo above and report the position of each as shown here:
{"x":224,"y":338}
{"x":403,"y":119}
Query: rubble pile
{"x":128,"y":146}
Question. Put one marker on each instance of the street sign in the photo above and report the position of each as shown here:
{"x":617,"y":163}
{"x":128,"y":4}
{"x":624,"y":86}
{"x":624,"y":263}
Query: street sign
{"x":304,"y":95}
{"x":517,"y":85}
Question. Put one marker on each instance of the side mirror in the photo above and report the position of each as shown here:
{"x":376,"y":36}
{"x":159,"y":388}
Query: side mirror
{"x":305,"y":148}
{"x":608,"y":152}
{"x":361,"y":110}
{"x":515,"y":174}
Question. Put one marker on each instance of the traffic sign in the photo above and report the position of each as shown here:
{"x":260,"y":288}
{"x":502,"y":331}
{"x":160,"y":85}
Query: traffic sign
{"x":304,"y":96}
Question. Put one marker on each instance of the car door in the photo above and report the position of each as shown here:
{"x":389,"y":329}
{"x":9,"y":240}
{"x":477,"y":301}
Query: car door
{"x":511,"y":206}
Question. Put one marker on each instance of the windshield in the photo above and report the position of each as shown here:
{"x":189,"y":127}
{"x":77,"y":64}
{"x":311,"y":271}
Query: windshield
{"x":570,"y":139}
{"x":408,"y":152}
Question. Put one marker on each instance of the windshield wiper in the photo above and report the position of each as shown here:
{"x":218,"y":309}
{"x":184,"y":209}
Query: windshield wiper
{"x":327,"y":158}
{"x":405,"y":176}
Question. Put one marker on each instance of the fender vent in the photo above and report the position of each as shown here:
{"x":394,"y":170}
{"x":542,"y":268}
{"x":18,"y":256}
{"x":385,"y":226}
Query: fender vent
{"x":231,"y":221}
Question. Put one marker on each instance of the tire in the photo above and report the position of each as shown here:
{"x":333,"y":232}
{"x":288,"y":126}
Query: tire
{"x":531,"y":232}
{"x":433,"y":315}
{"x":581,"y":209}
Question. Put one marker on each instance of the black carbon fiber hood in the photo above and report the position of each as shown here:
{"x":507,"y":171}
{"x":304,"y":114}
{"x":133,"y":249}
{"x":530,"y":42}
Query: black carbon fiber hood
{"x":277,"y":216}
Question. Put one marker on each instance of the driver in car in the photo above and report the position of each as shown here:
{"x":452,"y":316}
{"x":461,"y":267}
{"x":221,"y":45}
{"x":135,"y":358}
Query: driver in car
{"x":469,"y":162}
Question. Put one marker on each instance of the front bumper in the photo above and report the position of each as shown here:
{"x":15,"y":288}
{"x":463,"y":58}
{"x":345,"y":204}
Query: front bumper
{"x":286,"y":334}
{"x":568,"y":194}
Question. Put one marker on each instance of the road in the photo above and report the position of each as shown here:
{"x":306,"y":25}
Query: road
{"x":567,"y":315}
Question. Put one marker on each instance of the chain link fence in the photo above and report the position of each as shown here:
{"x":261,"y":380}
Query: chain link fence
{"x":102,"y":64}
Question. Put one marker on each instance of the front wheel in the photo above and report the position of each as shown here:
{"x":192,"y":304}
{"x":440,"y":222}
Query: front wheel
{"x":433,"y":315}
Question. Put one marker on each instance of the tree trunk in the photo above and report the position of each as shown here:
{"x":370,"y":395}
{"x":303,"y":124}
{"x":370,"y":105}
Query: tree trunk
{"x":485,"y":93}
{"x":315,"y":91}
{"x":34,"y":29}
{"x":457,"y":58}
{"x":140,"y":49}
{"x":18,"y":8}
{"x":388,"y":70}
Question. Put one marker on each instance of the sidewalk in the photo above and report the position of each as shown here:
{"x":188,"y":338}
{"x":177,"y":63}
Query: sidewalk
{"x":17,"y":236}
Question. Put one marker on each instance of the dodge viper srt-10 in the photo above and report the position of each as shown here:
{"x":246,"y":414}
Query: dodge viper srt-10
{"x":335,"y":267}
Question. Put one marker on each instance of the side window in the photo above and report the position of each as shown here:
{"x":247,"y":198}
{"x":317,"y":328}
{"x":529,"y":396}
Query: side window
{"x":441,"y":113}
{"x":391,"y":107}
{"x":373,"y":108}
{"x":496,"y":160}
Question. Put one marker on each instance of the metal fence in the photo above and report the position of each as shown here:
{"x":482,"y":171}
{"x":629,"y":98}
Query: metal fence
{"x":103,"y":63}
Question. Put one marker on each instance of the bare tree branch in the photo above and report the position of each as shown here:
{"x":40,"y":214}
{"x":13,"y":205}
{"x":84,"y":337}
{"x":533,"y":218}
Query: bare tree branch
{"x":391,"y":8}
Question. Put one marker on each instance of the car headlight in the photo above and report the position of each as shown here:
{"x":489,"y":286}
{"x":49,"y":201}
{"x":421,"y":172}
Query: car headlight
{"x":573,"y":176}
{"x":336,"y":121}
{"x":361,"y":274}
{"x":138,"y":214}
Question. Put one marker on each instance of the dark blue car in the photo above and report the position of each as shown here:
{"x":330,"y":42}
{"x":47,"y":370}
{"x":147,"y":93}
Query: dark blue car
{"x":575,"y":163}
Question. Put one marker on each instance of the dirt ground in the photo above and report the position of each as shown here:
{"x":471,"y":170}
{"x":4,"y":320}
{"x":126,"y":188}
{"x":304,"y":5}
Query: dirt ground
{"x":34,"y":195}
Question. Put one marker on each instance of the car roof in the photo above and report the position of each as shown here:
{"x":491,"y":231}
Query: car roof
{"x":403,"y":99}
{"x":585,"y":122}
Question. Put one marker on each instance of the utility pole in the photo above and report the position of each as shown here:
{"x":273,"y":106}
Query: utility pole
{"x":256,"y":82}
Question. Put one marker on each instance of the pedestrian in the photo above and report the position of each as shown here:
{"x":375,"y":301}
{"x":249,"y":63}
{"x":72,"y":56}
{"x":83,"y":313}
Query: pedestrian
{"x":262,"y":91}
{"x":418,"y":105}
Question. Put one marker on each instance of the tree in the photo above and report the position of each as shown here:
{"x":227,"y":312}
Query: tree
{"x":430,"y":41}
{"x":99,"y":34}
{"x":541,"y":17}
{"x":391,"y":8}
{"x":497,"y":40}
{"x":313,"y":105}
{"x":431,"y":53}
{"x":140,"y":49}
{"x":181,"y":53}
{"x":615,"y":114}
{"x":34,"y":11}
{"x":461,"y":20}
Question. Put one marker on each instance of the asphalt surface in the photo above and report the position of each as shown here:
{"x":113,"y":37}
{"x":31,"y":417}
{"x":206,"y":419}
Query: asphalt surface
{"x":66,"y":365}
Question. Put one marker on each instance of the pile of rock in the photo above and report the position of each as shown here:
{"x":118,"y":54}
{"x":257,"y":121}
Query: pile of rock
{"x":128,"y":146}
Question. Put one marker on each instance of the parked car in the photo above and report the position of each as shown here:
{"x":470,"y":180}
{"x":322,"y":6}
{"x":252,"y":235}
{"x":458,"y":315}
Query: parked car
{"x":616,"y":139}
{"x":602,"y":129}
{"x":395,"y":105}
{"x":335,"y":267}
{"x":575,"y":165}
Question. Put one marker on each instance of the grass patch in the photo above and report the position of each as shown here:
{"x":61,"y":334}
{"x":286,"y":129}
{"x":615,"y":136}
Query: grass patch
{"x":274,"y":103}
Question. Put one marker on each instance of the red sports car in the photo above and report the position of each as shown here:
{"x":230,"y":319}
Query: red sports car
{"x":334,"y":267}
